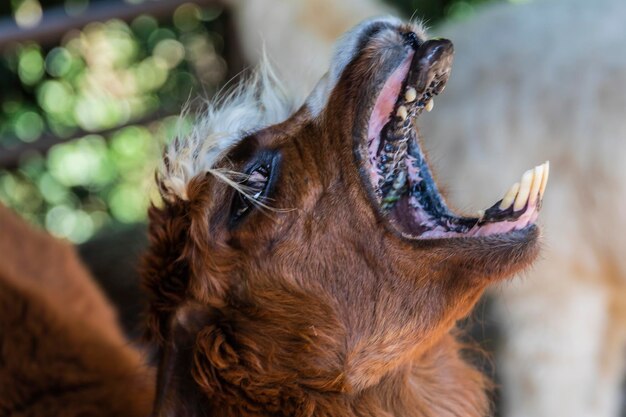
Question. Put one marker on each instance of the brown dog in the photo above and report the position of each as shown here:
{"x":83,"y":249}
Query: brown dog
{"x":61,"y":350}
{"x":304,"y":262}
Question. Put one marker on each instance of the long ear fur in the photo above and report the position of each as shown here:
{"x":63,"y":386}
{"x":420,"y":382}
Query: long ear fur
{"x":165,"y":272}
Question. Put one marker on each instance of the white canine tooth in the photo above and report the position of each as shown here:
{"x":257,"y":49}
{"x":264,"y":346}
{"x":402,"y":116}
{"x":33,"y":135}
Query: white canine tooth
{"x":410,"y":95}
{"x":430,"y":105}
{"x":480,"y":214}
{"x":536,"y":185}
{"x":524,"y":190}
{"x":509,"y":197}
{"x":544,"y":180}
{"x":402,"y":112}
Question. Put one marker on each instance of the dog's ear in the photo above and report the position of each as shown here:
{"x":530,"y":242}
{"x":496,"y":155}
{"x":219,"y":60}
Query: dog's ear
{"x":164,"y":272}
{"x":178,"y":393}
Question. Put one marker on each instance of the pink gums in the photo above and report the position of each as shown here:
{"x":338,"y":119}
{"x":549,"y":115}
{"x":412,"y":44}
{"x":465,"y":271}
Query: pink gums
{"x":527,"y":218}
{"x":383,"y":108}
{"x":381,"y":114}
{"x":421,"y":217}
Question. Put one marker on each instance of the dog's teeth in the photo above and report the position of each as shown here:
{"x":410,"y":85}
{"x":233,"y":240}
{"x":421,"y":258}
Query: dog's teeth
{"x":410,"y":95}
{"x":430,"y":105}
{"x":524,"y":190}
{"x":509,"y":197}
{"x":536,"y":185}
{"x":402,"y":112}
{"x":480,"y":214}
{"x":544,"y":180}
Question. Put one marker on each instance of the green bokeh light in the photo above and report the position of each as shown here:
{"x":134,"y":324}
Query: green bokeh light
{"x":56,"y":97}
{"x":170,"y":51}
{"x":84,"y":162}
{"x":31,"y":65}
{"x":59,"y":62}
{"x":187,"y":17}
{"x":51,"y":190}
{"x":158,"y":35}
{"x":128,"y":204}
{"x":65,"y":222}
{"x":28,"y":126}
{"x":144,"y":25}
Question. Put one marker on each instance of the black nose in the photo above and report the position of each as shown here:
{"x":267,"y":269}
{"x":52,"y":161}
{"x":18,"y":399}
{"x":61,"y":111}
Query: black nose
{"x":410,"y":38}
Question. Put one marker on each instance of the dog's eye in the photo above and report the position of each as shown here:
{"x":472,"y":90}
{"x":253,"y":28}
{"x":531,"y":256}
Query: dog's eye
{"x":254,"y":189}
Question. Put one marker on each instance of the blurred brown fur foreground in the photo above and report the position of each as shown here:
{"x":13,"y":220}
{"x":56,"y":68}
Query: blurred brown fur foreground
{"x":61,"y":350}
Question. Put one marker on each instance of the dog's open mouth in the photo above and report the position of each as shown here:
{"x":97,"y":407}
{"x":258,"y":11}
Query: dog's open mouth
{"x":398,"y":172}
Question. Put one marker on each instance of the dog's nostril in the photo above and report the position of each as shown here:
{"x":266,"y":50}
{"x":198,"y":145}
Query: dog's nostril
{"x":410,"y":38}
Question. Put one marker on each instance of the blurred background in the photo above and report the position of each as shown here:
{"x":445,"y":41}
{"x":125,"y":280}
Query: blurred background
{"x":90,"y":91}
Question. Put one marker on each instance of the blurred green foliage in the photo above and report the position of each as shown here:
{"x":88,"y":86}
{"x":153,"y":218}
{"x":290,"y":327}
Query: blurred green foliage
{"x":101,"y":79}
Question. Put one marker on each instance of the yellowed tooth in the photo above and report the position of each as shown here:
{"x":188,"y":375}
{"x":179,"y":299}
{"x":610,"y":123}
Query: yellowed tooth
{"x":430,"y":105}
{"x":536,"y":185}
{"x":480,"y":214}
{"x":524,"y":190}
{"x":544,"y":180}
{"x":509,"y":197}
{"x":410,"y":95}
{"x":402,"y":112}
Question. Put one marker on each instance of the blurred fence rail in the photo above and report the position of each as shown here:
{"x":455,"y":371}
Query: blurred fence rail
{"x":56,"y":22}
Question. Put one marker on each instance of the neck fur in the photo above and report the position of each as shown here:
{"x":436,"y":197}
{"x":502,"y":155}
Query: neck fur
{"x":440,"y":383}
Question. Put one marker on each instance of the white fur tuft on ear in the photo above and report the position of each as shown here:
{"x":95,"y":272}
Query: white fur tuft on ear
{"x":253,"y":104}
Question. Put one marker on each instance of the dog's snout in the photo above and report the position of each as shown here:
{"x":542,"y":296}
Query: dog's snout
{"x":359,"y":37}
{"x":385,"y":40}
